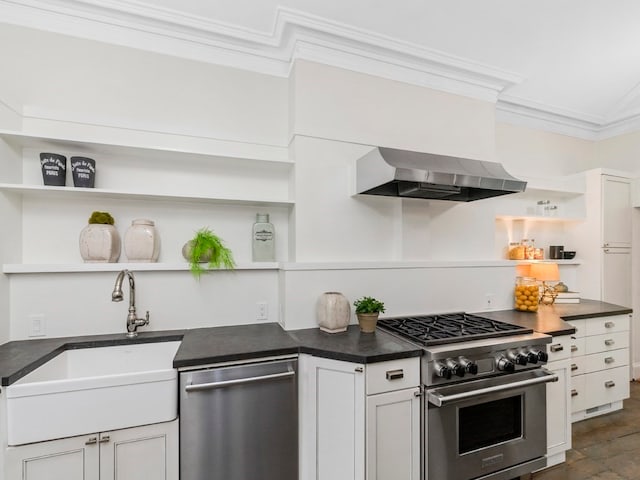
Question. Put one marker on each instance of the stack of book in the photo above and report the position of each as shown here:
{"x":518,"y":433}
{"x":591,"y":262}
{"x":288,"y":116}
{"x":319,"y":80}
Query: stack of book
{"x":568,"y":297}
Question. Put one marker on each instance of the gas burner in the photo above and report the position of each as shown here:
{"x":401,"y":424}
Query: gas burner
{"x":429,"y":330}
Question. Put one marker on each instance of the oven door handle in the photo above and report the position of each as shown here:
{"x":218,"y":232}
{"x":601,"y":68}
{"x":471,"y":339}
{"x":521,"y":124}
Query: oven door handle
{"x":438,"y":399}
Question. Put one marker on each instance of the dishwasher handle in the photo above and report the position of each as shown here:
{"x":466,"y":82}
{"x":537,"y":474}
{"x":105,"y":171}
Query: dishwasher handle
{"x":237,"y":381}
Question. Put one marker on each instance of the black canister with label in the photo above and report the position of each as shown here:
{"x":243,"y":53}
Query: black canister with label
{"x":83,"y":170}
{"x":54,"y":169}
{"x":556,"y":252}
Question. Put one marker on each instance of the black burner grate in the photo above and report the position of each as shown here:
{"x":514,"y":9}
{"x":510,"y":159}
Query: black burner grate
{"x":430,"y":330}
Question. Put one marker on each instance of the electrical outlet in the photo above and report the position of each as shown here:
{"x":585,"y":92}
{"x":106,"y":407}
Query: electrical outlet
{"x":37,"y":325}
{"x":489,"y":297}
{"x":262,"y":311}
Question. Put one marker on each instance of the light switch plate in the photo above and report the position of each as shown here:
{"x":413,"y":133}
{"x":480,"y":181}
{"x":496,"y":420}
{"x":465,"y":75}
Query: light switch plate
{"x":37,"y":325}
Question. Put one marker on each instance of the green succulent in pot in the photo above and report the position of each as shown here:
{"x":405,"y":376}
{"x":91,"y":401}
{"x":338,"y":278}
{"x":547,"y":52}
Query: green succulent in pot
{"x":207,"y":248}
{"x":367,"y":311}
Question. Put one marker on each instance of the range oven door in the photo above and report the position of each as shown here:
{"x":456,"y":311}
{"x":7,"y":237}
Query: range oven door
{"x":493,"y":428}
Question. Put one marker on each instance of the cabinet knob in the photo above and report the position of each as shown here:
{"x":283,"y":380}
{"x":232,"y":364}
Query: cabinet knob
{"x":609,"y":360}
{"x":610,"y":384}
{"x":609,"y":324}
{"x":395,"y":374}
{"x":574,"y":393}
{"x":609,"y":342}
{"x":91,"y":441}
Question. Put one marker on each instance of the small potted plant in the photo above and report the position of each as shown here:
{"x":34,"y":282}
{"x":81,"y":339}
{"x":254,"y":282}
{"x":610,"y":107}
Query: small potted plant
{"x":99,"y":240}
{"x":367,"y":310}
{"x":207,"y":247}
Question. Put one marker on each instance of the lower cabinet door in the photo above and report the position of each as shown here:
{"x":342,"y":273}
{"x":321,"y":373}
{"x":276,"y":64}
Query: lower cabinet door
{"x":559,"y":411}
{"x":74,"y":458}
{"x":393,"y":435}
{"x":140,"y":453}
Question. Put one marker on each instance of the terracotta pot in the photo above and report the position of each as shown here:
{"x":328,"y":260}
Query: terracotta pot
{"x":368,"y":322}
{"x":99,"y":243}
{"x":333,"y":312}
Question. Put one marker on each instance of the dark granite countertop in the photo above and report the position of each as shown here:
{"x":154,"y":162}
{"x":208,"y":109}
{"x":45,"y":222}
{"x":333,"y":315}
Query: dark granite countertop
{"x":202,"y":346}
{"x":552,"y":319}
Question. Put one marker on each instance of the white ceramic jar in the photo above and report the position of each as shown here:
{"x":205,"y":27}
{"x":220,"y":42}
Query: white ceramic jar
{"x":333,"y":312}
{"x":142,"y":242}
{"x":99,"y":243}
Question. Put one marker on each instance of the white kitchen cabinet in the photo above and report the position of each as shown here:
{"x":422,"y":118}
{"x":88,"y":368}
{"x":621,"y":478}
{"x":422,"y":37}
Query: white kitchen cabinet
{"x":356,"y":422}
{"x":559,"y":401}
{"x":600,"y":365}
{"x":147,"y":452}
{"x":179,"y":185}
{"x":616,"y":212}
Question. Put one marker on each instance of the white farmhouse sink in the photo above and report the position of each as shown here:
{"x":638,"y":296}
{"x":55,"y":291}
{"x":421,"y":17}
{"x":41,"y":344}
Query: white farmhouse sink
{"x":94,"y":390}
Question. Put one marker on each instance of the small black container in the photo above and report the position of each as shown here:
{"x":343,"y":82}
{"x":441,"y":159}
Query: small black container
{"x":83,"y":170}
{"x":556,"y":252}
{"x":54,"y":169}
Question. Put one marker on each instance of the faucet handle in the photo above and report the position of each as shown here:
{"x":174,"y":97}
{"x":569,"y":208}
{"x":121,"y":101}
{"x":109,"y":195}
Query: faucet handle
{"x":146,"y":320}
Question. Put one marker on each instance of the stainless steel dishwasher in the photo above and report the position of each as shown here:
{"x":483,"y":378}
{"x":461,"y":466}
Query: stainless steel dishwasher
{"x":240,"y":422}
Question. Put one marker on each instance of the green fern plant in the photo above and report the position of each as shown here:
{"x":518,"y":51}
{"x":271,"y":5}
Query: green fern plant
{"x":206,"y":247}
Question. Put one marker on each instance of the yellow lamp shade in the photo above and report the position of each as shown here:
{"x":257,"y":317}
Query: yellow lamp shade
{"x":545,"y":272}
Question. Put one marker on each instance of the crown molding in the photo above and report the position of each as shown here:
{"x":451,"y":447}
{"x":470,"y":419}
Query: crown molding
{"x":295,"y":35}
{"x":300,"y":36}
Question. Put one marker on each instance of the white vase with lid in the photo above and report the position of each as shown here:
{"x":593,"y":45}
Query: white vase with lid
{"x":142,"y":242}
{"x":333,"y":312}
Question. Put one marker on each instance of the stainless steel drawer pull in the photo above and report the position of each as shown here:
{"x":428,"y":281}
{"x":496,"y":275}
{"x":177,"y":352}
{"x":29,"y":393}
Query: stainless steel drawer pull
{"x":574,"y":367}
{"x":557,"y":348}
{"x":609,"y":324}
{"x":418,"y":393}
{"x":239,"y":381}
{"x":609,"y":342}
{"x":574,"y":348}
{"x":609,"y":360}
{"x":610,"y":384}
{"x":91,"y":441}
{"x":395,"y":374}
{"x":359,"y":369}
{"x":105,"y":438}
{"x":574,"y":393}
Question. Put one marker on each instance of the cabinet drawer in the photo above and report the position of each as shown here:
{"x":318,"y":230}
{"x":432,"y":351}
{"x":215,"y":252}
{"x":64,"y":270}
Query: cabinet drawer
{"x":578,"y":346}
{"x":559,"y":348}
{"x":607,"y":342}
{"x":603,"y":325}
{"x":606,"y":386}
{"x":578,"y":394}
{"x":393,"y":375}
{"x":577,"y":366}
{"x":580,"y":326}
{"x":606,"y":360}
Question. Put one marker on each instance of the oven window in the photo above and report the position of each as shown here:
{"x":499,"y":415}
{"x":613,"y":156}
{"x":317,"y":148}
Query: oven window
{"x":489,"y":423}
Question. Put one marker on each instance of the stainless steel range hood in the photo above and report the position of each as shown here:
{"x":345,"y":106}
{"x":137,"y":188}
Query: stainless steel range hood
{"x":402,"y":173}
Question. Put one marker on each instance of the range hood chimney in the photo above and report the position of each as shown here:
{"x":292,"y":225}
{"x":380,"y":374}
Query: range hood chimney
{"x":402,"y":173}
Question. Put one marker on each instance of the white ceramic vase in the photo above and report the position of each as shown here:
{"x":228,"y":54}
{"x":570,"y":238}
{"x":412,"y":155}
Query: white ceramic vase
{"x":99,"y":243}
{"x":142,"y":242}
{"x":333,"y":312}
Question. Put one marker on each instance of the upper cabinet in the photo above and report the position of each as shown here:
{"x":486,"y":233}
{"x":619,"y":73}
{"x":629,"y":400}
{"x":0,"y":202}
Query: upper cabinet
{"x":616,"y":211}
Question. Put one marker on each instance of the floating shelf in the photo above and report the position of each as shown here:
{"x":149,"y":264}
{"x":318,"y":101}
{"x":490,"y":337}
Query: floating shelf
{"x":17,"y":268}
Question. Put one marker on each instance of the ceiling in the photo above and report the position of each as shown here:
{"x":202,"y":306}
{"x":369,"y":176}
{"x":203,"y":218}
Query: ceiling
{"x":572,"y":66}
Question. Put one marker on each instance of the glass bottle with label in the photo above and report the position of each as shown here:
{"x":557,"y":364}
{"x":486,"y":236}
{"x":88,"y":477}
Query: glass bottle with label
{"x":264,"y":239}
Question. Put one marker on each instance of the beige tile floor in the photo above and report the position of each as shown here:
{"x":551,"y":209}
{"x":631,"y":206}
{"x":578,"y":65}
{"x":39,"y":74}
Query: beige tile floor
{"x":605,"y":447}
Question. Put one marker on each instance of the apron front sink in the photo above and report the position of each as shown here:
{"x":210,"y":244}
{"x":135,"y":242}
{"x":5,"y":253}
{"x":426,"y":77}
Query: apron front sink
{"x":94,"y":390}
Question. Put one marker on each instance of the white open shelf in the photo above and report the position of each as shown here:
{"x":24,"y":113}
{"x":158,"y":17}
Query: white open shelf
{"x":17,"y":268}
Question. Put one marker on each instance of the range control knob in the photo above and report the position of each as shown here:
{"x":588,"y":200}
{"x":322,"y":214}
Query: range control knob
{"x":532,"y":357}
{"x":517,"y":357}
{"x":468,"y":365}
{"x":542,"y":356}
{"x":505,"y":365}
{"x":441,"y":370}
{"x":457,"y":369}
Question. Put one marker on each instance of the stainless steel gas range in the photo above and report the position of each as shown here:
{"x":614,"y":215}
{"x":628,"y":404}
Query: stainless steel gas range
{"x":484,"y":414}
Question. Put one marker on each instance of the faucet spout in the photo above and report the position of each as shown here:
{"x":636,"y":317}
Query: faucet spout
{"x":133,"y":322}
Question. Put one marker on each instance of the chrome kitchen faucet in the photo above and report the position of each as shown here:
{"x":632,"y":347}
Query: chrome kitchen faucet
{"x":133,"y":322}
